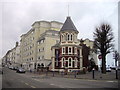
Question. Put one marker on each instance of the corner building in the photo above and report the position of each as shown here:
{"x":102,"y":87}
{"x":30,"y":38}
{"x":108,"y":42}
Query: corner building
{"x":34,"y":46}
{"x":67,"y":54}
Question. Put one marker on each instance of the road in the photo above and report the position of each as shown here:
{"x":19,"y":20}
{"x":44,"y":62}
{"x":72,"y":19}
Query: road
{"x":11,"y":79}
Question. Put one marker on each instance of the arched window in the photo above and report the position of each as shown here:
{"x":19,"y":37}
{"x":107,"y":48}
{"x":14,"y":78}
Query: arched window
{"x":68,"y":37}
{"x":76,"y":62}
{"x":69,"y":50}
{"x":75,"y":50}
{"x":71,"y":37}
{"x":63,"y":50}
{"x":62,"y":37}
{"x":63,"y":60}
{"x":70,"y":61}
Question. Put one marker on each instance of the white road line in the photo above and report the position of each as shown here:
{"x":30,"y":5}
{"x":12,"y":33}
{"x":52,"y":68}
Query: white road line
{"x":37,"y":80}
{"x":111,"y":81}
{"x":52,"y":84}
{"x":33,"y":86}
{"x":26,"y":83}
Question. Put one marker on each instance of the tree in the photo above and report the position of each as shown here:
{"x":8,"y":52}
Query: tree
{"x":103,"y":42}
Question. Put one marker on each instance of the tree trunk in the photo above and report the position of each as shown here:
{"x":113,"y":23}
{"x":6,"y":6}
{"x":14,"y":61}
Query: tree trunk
{"x":103,"y":63}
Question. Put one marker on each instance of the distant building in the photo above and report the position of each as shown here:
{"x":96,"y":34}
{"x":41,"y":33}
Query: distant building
{"x":12,"y":57}
{"x":35,"y":45}
{"x":92,"y":54}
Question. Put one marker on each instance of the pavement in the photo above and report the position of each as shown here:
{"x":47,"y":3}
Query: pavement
{"x":89,"y":75}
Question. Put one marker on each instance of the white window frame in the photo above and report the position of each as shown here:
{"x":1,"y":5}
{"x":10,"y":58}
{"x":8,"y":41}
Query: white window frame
{"x":76,"y":62}
{"x":61,"y":37}
{"x":63,"y":50}
{"x":71,"y":37}
{"x":75,"y":50}
{"x":68,"y":39}
{"x":68,"y":50}
{"x":63,"y":60}
{"x":71,"y":61}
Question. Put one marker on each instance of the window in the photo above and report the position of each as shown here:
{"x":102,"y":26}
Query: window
{"x":68,"y":37}
{"x":71,"y":37}
{"x":75,"y":50}
{"x":63,"y":60}
{"x":43,"y":48}
{"x":76,"y":62}
{"x":63,"y":50}
{"x":70,"y":62}
{"x":62,"y":37}
{"x":66,"y":63}
{"x":33,"y":38}
{"x":39,"y":58}
{"x":69,"y":50}
{"x":42,"y":41}
{"x":38,"y":50}
{"x":42,"y":57}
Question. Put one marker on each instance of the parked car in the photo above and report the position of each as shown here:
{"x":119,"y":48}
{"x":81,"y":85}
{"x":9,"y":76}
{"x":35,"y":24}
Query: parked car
{"x":15,"y":68}
{"x":108,"y":69}
{"x":20,"y":70}
{"x":11,"y":67}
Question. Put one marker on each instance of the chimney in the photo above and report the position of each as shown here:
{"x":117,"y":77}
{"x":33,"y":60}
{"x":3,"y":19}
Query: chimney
{"x":16,"y":44}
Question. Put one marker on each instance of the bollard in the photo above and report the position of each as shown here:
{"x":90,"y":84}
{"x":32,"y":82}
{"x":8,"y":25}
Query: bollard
{"x":75,"y":74}
{"x":116,"y":73}
{"x":53,"y":73}
{"x":93,"y":72}
{"x":46,"y":73}
{"x":63,"y":73}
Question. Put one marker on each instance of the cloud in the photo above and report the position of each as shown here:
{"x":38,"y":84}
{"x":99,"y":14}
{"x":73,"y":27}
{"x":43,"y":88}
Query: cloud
{"x":19,"y":16}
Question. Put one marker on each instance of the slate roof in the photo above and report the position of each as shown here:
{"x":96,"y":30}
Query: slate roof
{"x":68,"y":26}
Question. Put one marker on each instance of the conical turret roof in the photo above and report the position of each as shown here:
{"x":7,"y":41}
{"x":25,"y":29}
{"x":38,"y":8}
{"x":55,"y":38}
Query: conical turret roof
{"x":68,"y":26}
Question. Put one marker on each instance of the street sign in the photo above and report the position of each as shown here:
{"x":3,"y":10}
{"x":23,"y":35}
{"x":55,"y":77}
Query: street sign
{"x":100,"y":56}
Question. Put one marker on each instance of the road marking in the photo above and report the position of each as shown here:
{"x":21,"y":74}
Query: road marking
{"x":37,"y":80}
{"x":52,"y":84}
{"x":111,"y":81}
{"x":33,"y":87}
{"x":26,"y":83}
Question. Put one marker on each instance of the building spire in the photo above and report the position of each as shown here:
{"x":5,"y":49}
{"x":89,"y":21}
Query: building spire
{"x":68,"y":9}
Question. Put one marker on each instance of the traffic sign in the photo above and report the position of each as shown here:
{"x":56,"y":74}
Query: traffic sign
{"x":100,"y":56}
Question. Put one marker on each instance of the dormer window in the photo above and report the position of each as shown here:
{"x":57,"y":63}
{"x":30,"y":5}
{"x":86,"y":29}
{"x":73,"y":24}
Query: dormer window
{"x":71,"y":37}
{"x":68,"y":37}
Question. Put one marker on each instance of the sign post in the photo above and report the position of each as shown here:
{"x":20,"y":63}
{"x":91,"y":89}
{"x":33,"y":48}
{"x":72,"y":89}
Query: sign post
{"x":100,"y":68}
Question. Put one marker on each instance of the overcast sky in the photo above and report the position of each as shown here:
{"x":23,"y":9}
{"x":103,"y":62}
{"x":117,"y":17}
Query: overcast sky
{"x":18,"y":15}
